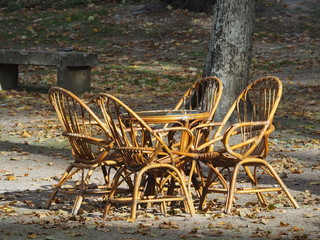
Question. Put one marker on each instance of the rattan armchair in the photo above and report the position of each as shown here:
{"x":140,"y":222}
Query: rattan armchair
{"x":203,"y":95}
{"x":90,"y":142}
{"x":154,"y":166}
{"x":243,"y":134}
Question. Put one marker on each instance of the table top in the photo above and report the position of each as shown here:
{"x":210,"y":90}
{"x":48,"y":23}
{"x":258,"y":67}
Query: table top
{"x":168,"y":116}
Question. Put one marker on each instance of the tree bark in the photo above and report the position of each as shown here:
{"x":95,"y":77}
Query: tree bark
{"x":230,"y":48}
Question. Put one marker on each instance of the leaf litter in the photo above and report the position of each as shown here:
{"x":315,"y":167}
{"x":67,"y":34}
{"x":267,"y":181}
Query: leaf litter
{"x":155,"y":71}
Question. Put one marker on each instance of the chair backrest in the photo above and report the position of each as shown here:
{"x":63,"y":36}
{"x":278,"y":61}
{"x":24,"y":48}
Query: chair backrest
{"x":204,"y":95}
{"x":256,"y":104}
{"x":87,"y":134}
{"x":139,"y":145}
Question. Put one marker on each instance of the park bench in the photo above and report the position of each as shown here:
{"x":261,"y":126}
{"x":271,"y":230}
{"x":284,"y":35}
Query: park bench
{"x":73,"y":68}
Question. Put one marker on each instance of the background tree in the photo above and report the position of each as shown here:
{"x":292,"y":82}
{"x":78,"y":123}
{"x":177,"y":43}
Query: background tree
{"x":230,"y":48}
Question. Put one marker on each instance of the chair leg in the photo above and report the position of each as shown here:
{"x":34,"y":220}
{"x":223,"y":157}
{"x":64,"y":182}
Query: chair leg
{"x":232,"y":189}
{"x":128,"y":180}
{"x":180,"y":178}
{"x":163,"y":207}
{"x":106,"y":176}
{"x":80,"y":196}
{"x":283,"y":186}
{"x":205,"y":189}
{"x":192,"y":179}
{"x":66,"y":175}
{"x":135,"y":195}
{"x":161,"y":190}
{"x":199,"y":182}
{"x":115,"y":184}
{"x":254,"y":182}
{"x":269,"y":170}
{"x":77,"y":204}
{"x":171,"y":186}
{"x":82,"y":191}
{"x":184,"y":189}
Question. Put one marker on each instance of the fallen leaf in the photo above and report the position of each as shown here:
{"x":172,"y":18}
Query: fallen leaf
{"x":25,"y":134}
{"x":215,"y":233}
{"x":168,"y":225}
{"x":296,"y":229}
{"x":315,"y":183}
{"x":283,"y":224}
{"x":11,"y":178}
{"x":32,"y":235}
{"x":217,"y":215}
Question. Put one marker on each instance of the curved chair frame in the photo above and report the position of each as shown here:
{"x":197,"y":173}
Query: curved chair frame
{"x":90,"y":142}
{"x":204,"y":95}
{"x":153,"y":165}
{"x":244,"y":143}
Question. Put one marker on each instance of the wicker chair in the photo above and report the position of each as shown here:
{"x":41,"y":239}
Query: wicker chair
{"x":153,"y":165}
{"x":90,"y":143}
{"x":204,"y":95}
{"x":243,"y":144}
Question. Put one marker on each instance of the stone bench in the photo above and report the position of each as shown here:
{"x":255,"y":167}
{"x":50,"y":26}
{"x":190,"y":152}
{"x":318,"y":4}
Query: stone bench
{"x":73,"y":68}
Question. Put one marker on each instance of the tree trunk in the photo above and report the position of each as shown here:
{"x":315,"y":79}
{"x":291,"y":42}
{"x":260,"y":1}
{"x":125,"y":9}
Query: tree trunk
{"x":230,"y":48}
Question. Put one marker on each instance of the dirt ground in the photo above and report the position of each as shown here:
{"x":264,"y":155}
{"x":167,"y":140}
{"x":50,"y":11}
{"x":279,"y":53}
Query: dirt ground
{"x":33,"y":154}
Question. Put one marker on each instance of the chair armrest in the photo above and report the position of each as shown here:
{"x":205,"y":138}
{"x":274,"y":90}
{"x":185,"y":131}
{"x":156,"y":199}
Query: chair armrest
{"x":208,"y":125}
{"x":92,"y":140}
{"x":254,"y":140}
{"x":207,"y":134}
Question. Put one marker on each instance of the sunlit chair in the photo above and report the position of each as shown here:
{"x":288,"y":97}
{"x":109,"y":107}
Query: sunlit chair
{"x":204,"y":95}
{"x":243,"y":134}
{"x":90,"y":142}
{"x":154,"y":165}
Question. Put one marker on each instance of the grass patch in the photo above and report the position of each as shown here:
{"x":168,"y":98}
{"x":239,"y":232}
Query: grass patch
{"x":25,"y":28}
{"x":14,"y":5}
{"x":134,"y":78}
